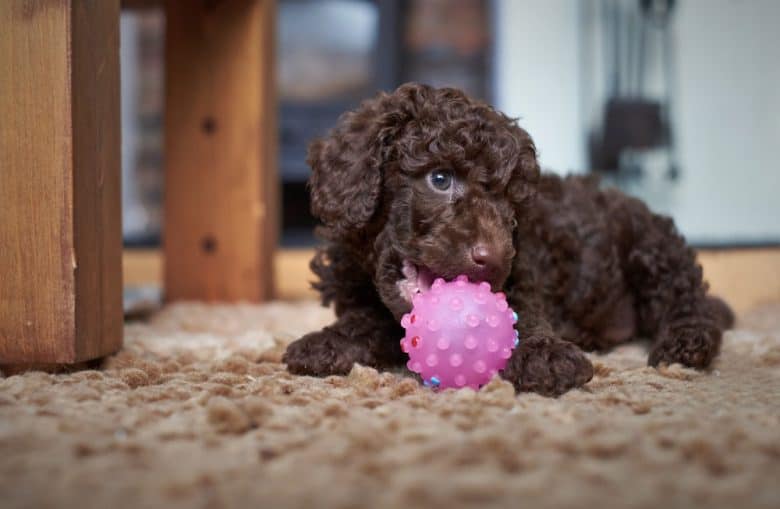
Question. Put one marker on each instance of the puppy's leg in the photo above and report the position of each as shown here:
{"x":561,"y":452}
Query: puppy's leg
{"x":542,"y":362}
{"x":363,"y":336}
{"x":670,"y":294}
{"x":547,"y":365}
{"x":364,"y":332}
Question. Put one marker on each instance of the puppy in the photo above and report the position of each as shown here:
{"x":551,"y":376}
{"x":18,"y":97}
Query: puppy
{"x":425,"y":182}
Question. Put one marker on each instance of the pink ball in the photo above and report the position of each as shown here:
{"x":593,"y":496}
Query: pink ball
{"x":459,"y":334}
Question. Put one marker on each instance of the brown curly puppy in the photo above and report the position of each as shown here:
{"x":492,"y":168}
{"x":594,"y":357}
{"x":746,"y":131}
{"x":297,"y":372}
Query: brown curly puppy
{"x":425,"y":182}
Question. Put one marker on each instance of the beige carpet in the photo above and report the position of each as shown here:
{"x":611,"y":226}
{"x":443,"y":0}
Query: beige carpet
{"x":197,"y":412}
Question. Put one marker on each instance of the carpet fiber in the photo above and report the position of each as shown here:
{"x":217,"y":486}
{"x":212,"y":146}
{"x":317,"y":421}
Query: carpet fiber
{"x":196,"y":411}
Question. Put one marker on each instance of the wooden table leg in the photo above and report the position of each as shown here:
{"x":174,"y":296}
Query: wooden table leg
{"x":60,"y":227}
{"x":221,"y":184}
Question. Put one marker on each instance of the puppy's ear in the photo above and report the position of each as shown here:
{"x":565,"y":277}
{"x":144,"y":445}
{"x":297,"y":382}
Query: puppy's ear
{"x":525,"y":176}
{"x":346,"y":179}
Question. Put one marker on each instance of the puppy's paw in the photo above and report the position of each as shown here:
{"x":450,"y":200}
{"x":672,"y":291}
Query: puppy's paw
{"x":324,"y":353}
{"x":547,"y":366}
{"x":691,"y":346}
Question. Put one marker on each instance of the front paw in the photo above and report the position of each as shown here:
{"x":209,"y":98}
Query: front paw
{"x":547,"y":366}
{"x":324,"y":353}
{"x":693,"y":346}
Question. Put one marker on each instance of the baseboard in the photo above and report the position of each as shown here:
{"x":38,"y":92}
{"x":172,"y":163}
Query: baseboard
{"x":144,"y":267}
{"x":745,"y":278}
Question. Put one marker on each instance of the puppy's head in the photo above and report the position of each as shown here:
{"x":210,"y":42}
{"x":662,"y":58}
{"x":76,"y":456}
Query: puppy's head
{"x":443,"y":178}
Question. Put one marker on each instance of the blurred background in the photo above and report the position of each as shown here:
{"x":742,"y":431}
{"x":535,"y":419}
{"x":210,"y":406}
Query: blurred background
{"x":677,"y":102}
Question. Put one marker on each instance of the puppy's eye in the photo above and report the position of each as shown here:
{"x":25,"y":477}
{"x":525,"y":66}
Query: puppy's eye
{"x":441,"y":180}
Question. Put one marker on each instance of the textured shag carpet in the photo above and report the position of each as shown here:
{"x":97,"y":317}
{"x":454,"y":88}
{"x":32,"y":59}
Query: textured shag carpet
{"x":196,"y":411}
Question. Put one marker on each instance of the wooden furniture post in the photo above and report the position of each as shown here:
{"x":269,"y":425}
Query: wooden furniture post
{"x":221,"y":186}
{"x":60,"y":227}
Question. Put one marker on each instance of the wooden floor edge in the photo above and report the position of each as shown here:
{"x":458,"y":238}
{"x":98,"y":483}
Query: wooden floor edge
{"x":745,"y":278}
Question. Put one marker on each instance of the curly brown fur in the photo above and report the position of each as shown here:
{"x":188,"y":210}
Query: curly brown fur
{"x":586,"y":268}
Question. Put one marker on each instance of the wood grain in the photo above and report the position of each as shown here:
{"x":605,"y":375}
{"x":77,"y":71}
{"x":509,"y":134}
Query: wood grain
{"x":221,"y":182}
{"x":97,"y":175}
{"x":60,"y":268}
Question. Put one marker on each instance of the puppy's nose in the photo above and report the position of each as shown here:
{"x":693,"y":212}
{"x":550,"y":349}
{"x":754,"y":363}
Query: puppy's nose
{"x":484,"y":257}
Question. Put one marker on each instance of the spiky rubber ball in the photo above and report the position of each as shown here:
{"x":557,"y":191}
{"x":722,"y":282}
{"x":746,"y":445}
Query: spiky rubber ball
{"x":459,"y":334}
